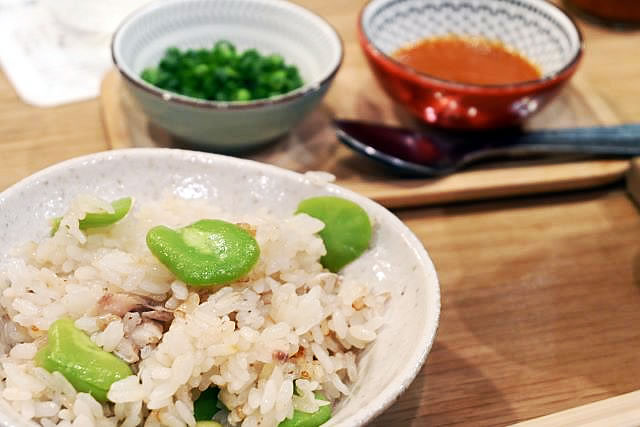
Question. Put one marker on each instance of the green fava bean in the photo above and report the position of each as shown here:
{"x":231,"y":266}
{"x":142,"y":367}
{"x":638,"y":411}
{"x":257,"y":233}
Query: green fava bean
{"x":208,"y":424}
{"x":85,"y":365}
{"x":347,"y":229}
{"x":207,"y":252}
{"x":206,"y":406}
{"x":121,"y":208}
{"x":305,"y":419}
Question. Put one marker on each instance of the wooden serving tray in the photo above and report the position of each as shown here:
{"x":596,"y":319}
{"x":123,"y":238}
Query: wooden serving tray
{"x":314,"y":146}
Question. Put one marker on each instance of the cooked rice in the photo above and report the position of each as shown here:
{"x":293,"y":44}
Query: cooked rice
{"x":289,"y":324}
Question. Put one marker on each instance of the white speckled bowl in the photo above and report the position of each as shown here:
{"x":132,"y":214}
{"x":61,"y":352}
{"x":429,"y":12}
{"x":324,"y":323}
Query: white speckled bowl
{"x":396,"y":255}
{"x":271,"y":26}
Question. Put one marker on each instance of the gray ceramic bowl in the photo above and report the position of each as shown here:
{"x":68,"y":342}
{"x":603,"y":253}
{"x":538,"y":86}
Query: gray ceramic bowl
{"x":396,"y":258}
{"x":271,"y":26}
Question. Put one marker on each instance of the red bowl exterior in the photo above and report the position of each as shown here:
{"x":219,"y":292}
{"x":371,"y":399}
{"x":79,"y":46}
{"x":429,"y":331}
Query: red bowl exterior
{"x":461,"y":106}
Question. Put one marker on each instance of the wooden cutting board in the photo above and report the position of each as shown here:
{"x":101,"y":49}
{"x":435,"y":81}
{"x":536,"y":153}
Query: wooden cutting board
{"x":313,"y":144}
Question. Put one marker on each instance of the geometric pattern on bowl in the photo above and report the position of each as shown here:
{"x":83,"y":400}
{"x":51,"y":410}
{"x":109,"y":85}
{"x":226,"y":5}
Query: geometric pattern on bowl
{"x":534,"y":28}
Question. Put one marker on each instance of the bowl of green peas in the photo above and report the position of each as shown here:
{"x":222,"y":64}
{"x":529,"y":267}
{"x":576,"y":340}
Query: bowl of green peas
{"x":226,"y":75}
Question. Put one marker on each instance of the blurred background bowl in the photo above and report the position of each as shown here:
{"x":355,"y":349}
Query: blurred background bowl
{"x":301,"y":37}
{"x":92,"y":16}
{"x":622,"y":13}
{"x":537,"y":29}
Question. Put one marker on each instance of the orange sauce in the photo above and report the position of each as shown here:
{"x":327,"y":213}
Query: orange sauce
{"x":468,"y":60}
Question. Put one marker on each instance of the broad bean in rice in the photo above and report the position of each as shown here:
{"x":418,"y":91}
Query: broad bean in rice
{"x":85,"y":365}
{"x":120,"y":207}
{"x":207,"y":252}
{"x":206,"y":406}
{"x":347,"y":229}
{"x":306,"y":419}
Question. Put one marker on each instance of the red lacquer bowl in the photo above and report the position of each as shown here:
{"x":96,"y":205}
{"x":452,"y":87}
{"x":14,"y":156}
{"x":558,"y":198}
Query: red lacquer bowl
{"x":539,"y":30}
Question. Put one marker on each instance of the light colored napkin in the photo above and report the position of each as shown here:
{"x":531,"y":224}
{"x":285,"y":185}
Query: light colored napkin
{"x":50,"y":62}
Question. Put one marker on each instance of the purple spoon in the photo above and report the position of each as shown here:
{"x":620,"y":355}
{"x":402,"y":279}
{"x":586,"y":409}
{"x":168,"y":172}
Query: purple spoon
{"x":437,"y":153}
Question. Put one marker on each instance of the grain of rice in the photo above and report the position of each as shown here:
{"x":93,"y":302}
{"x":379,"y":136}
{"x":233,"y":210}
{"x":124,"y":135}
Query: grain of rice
{"x":317,"y":334}
{"x":82,"y":421}
{"x":182,"y":367}
{"x":80,"y":407}
{"x":126,"y":390}
{"x":361,"y":333}
{"x":62,"y":385}
{"x":179,"y":290}
{"x":133,"y":414}
{"x":158,"y":403}
{"x":12,"y":393}
{"x":172,"y":303}
{"x":323,"y":357}
{"x":111,"y":336}
{"x":185,"y":413}
{"x":23,"y":351}
{"x":27,"y":409}
{"x":65,"y":414}
{"x":25,"y":307}
{"x":170,"y":420}
{"x":269,"y":393}
{"x":162,"y":393}
{"x":284,"y":407}
{"x":85,"y":272}
{"x":46,"y":409}
{"x":161,"y":373}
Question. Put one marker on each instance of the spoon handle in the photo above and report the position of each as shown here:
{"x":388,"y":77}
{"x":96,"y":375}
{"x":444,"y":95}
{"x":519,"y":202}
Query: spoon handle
{"x":613,"y":140}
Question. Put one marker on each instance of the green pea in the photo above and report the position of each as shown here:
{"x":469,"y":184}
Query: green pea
{"x":274,"y":61}
{"x":207,"y":252}
{"x":221,"y":96}
{"x":201,"y":70}
{"x":242,"y":94}
{"x":260,"y":93}
{"x":277,"y":80}
{"x":225,"y":74}
{"x":347,"y":229}
{"x":208,"y":424}
{"x":173,"y":52}
{"x":223,"y":51}
{"x":170,"y":63}
{"x":121,"y":208}
{"x":246,"y":61}
{"x":194,"y":93}
{"x":206,"y":406}
{"x":151,"y":75}
{"x":85,"y":365}
{"x":306,"y":419}
{"x":171,"y":83}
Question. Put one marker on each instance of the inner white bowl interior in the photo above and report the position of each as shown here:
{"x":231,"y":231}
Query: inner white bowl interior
{"x":302,"y":38}
{"x":534,"y":28}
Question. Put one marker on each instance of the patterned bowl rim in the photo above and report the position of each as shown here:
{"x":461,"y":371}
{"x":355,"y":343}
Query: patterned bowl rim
{"x":377,"y":54}
{"x":172,"y":97}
